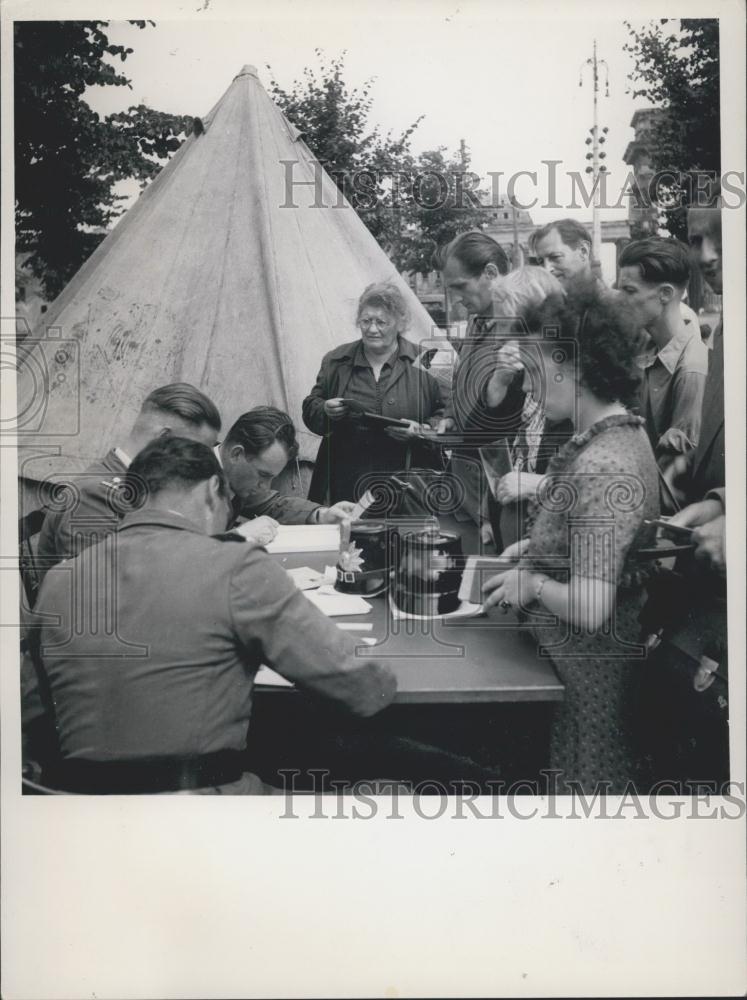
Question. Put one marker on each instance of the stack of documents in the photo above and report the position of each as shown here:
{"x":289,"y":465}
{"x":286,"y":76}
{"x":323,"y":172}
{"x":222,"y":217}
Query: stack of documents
{"x":306,"y":538}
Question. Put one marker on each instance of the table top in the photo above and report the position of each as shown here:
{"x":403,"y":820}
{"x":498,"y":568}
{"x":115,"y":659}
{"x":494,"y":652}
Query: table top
{"x":485,"y":659}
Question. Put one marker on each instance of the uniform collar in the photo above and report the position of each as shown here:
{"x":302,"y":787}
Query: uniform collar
{"x":159,"y":517}
{"x":122,"y":456}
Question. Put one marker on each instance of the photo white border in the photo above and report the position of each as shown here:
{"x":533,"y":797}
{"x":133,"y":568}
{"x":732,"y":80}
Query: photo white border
{"x":210,"y":897}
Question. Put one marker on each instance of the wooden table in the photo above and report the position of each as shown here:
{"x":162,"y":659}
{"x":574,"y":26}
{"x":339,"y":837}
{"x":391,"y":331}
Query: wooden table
{"x":477,"y":661}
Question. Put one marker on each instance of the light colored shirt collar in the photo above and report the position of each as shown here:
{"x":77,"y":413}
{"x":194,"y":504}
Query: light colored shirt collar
{"x":123,"y":457}
{"x":670,"y":353}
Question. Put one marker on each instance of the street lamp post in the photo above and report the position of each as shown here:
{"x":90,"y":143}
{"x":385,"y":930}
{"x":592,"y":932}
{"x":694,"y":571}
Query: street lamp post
{"x":596,"y":140}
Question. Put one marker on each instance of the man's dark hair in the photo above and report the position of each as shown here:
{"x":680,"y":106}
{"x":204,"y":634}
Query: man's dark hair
{"x":171,"y":463}
{"x":260,"y":427}
{"x":572,"y":233}
{"x":473,"y":250}
{"x":659,"y":260}
{"x":186,"y":402}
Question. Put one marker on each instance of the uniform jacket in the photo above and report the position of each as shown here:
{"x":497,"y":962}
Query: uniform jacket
{"x":91,"y":504}
{"x":177,"y":624}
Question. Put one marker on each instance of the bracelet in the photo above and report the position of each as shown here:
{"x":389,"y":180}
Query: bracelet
{"x":538,"y":587}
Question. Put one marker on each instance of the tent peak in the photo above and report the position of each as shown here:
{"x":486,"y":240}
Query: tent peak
{"x":247,"y":70}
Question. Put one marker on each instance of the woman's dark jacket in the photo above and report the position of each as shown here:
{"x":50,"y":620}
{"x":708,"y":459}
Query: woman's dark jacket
{"x":351,"y":450}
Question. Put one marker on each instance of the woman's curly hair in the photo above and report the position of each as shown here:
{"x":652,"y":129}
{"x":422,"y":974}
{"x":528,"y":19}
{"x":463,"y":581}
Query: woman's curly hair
{"x":607,"y":337}
{"x":385,"y":295}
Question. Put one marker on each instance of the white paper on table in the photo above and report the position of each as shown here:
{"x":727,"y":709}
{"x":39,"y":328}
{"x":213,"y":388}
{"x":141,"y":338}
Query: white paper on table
{"x":306,"y":538}
{"x":305,"y":578}
{"x":332,"y":603}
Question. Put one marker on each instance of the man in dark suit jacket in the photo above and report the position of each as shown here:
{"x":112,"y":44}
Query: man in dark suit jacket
{"x":707,"y":474}
{"x":695,"y":645}
{"x":487,"y":390}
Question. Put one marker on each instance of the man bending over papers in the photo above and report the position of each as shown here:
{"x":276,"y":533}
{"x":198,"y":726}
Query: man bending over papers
{"x":152,"y":688}
{"x":256,"y":450}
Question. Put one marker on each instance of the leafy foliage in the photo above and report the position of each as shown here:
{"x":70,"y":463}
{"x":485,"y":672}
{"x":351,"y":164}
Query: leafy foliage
{"x":677,"y":70}
{"x":67,"y":157}
{"x":409,"y":203}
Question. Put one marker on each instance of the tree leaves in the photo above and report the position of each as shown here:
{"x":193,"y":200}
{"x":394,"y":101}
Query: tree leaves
{"x":677,"y":70}
{"x":410,"y":204}
{"x":67,"y":158}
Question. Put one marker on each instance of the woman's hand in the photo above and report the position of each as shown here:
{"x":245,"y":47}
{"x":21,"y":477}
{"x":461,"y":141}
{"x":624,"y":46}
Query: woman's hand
{"x":445,"y":425}
{"x":335,"y":408}
{"x":517,"y":550}
{"x":516,"y":486}
{"x":511,"y":589}
{"x":406,"y":433}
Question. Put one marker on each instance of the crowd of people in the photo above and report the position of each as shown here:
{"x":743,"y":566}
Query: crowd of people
{"x":610,"y":408}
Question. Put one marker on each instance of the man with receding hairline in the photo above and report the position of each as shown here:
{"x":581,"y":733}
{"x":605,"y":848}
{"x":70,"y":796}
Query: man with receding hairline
{"x":564,"y":249}
{"x":98,"y":495}
{"x":487,"y":395}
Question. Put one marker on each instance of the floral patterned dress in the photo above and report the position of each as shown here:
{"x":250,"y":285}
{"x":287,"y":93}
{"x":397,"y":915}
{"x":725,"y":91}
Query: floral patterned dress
{"x":588,"y":521}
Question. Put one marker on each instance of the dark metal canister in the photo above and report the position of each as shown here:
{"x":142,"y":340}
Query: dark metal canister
{"x":429,"y":573}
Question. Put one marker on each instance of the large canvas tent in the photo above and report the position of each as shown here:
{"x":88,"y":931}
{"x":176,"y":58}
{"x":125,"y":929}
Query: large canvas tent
{"x":211,"y":277}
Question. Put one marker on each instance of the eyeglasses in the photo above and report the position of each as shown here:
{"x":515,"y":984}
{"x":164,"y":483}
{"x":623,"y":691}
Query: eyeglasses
{"x":366,"y":324}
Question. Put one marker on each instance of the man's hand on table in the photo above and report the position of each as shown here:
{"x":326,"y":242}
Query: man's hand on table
{"x":445,"y":425}
{"x":259,"y":530}
{"x":336,"y":514}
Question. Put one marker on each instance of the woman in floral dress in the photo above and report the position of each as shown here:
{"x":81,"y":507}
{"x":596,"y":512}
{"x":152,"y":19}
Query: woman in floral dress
{"x":578,"y":584}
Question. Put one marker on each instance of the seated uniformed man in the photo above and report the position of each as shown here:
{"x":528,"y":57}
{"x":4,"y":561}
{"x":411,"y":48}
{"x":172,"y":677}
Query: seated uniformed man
{"x":153,"y":691}
{"x":177,"y":409}
{"x":256,"y":450}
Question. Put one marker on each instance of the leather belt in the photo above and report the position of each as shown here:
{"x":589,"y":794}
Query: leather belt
{"x":146,"y":775}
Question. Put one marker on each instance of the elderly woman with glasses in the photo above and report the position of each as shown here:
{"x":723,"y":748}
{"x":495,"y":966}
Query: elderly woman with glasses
{"x":372,"y":377}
